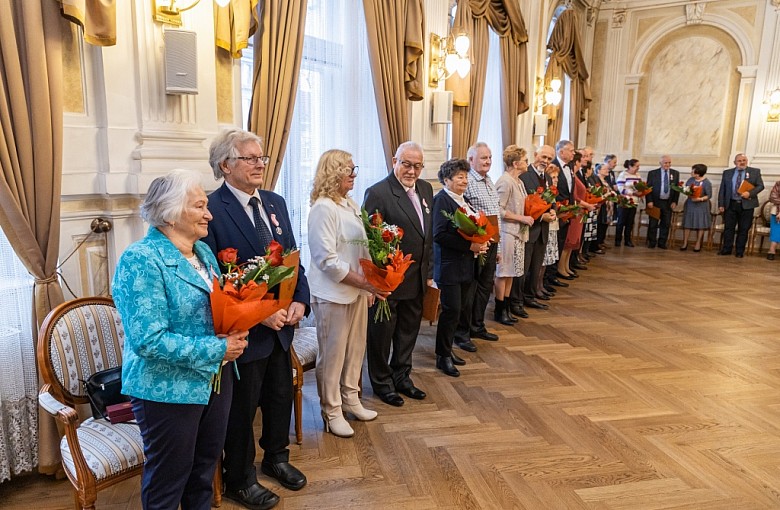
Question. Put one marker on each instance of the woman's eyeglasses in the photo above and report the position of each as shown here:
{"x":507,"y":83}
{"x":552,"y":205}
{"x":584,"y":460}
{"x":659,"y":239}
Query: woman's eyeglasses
{"x":353,"y":171}
{"x":252,"y":160}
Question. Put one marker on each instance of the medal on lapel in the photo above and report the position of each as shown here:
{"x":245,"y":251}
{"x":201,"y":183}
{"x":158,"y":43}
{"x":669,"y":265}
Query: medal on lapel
{"x":425,"y":204}
{"x":276,"y":224}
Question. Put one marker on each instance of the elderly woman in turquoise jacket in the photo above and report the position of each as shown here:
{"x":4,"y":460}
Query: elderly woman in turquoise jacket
{"x":171,"y":353}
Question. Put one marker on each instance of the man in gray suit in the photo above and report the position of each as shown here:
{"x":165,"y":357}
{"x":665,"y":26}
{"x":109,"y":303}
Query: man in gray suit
{"x":403,"y":199}
{"x":664,"y":198}
{"x":737,"y":208}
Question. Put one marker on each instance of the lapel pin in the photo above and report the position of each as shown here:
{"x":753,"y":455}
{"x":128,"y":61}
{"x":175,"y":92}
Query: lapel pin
{"x":276,"y":224}
{"x":425,"y":204}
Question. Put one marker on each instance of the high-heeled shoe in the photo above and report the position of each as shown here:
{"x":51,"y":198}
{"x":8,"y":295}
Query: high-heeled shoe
{"x":359,"y":412}
{"x":337,"y":426}
{"x":697,"y":250}
{"x":683,"y":248}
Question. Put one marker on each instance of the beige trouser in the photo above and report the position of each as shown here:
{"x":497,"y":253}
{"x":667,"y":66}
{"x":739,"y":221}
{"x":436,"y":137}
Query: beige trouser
{"x":341,"y":338}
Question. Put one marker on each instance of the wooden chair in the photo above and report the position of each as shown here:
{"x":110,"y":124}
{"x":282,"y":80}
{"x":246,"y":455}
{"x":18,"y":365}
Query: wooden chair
{"x":77,"y":339}
{"x":761,"y":226}
{"x":716,"y":227}
{"x":675,"y":224}
{"x":303,"y":354}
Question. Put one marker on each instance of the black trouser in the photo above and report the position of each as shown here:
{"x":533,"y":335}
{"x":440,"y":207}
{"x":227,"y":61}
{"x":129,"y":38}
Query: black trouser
{"x":534,"y":256}
{"x":516,"y":294}
{"x":182,"y":443}
{"x":739,"y":218}
{"x":625,"y":224}
{"x":265,"y":382}
{"x":658,"y":230}
{"x":485,"y":280}
{"x":388,"y":372}
{"x":456,"y":306}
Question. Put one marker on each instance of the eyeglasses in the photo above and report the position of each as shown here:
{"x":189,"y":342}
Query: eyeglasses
{"x":353,"y":171}
{"x":409,"y":164}
{"x":252,"y":160}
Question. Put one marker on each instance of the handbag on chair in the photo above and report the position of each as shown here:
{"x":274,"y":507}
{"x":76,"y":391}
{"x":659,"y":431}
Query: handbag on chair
{"x":104,"y":389}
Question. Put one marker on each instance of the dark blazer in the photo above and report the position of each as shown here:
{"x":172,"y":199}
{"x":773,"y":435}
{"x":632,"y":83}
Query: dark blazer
{"x":531,"y":182}
{"x":654,"y":180}
{"x":232,"y":228}
{"x":453,"y":258}
{"x":389,"y":198}
{"x":564,"y":193}
{"x":752,"y":175}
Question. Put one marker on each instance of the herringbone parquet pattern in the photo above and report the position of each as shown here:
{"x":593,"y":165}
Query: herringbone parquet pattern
{"x":652,"y":383}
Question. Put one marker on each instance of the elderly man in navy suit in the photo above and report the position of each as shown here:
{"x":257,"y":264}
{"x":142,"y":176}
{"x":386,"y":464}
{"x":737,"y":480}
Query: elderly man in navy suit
{"x":248,"y":219}
{"x":664,"y":198}
{"x":403,"y":199}
{"x":737,"y":208}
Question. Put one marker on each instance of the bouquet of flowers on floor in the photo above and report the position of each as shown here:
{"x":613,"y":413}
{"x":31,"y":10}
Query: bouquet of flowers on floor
{"x":240,"y":299}
{"x":597,"y":194}
{"x":539,"y":202}
{"x":692,"y":191}
{"x":476,"y":229}
{"x":388,"y":264}
{"x":567,"y":211}
{"x":641,"y":188}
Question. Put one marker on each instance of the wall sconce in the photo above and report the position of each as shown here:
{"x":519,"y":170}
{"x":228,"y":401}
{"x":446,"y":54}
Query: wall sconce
{"x":169,"y":11}
{"x":449,"y":55}
{"x":772,"y":106}
{"x":548,"y":96}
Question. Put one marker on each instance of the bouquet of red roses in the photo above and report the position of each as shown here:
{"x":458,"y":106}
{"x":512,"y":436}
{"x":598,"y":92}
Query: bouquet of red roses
{"x":388,"y":264}
{"x":596,"y":194}
{"x":641,"y":188}
{"x":625,"y":201}
{"x":476,"y":229}
{"x":240,"y":299}
{"x":567,"y":211}
{"x":539,"y":202}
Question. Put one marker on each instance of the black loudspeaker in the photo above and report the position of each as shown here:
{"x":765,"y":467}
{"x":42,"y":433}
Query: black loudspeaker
{"x":181,"y":62}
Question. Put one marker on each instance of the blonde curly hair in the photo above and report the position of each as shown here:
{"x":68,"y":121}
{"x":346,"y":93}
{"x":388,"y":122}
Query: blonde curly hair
{"x":331,"y":169}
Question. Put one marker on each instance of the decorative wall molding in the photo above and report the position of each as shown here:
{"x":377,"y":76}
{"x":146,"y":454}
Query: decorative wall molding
{"x":619,"y":18}
{"x":694,"y":13}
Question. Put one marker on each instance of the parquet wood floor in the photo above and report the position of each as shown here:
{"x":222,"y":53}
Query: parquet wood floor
{"x":653,"y":382}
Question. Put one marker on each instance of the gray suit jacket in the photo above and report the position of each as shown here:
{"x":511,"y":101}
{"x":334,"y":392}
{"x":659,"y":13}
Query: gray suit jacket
{"x":726,"y":193}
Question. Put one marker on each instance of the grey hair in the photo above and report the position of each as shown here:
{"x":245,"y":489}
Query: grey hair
{"x":166,"y":199}
{"x":407,"y":146}
{"x":473,"y":150}
{"x":224,"y":146}
{"x":563,"y":143}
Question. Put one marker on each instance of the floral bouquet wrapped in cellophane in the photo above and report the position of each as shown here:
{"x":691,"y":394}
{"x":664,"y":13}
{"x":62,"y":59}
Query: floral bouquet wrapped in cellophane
{"x":476,"y":229}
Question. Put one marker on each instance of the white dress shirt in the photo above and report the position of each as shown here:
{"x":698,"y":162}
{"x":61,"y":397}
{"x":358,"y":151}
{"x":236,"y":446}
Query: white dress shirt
{"x":243,"y":199}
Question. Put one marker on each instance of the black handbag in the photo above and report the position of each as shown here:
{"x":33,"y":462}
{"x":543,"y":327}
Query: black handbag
{"x":103,"y":389}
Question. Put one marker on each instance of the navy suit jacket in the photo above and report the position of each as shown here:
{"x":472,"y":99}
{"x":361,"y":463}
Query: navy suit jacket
{"x":389,"y":198}
{"x":654,"y":180}
{"x":232,"y":228}
{"x":452,"y":255}
{"x":532,"y":182}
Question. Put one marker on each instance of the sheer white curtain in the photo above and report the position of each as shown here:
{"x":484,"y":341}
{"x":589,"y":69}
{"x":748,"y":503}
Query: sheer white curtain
{"x":18,"y":379}
{"x":490,"y":123}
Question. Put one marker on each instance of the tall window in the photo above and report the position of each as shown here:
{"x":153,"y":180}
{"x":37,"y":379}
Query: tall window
{"x":335,"y":108}
{"x":490,"y":123}
{"x":18,"y":382}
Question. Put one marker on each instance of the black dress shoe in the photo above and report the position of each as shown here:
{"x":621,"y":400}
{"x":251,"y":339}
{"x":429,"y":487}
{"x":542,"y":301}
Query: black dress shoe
{"x":467,"y":345}
{"x":457,"y":360}
{"x":444,"y":363}
{"x":285,"y":473}
{"x":565,"y":277}
{"x":649,"y":245}
{"x":769,"y":256}
{"x":629,"y":244}
{"x":518,"y":312}
{"x":543,"y":297}
{"x":558,"y":283}
{"x":536,"y":304}
{"x":391,"y":399}
{"x":739,"y":255}
{"x":599,"y":252}
{"x":724,"y":252}
{"x":255,"y":497}
{"x":549,"y":289}
{"x":413,"y":392}
{"x":483,"y":334}
{"x":579,"y":267}
{"x":662,"y":246}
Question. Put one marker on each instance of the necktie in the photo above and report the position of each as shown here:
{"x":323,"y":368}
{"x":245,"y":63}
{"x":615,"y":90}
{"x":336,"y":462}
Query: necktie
{"x":262,"y":229}
{"x":738,"y":183}
{"x":665,"y":183}
{"x":416,"y":203}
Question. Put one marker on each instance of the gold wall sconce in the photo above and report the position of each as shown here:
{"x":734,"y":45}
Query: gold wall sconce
{"x":169,"y":11}
{"x":772,"y":106}
{"x":448,"y":56}
{"x":548,"y":96}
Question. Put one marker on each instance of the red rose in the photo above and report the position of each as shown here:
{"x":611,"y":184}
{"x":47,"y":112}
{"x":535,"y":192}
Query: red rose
{"x":228,"y":256}
{"x":387,"y":236}
{"x":540,"y":189}
{"x":554,"y":190}
{"x":274,"y":254}
{"x":376,"y":219}
{"x":400,"y":233}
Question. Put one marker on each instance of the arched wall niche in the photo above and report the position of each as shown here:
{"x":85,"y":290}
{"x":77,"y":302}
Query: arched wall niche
{"x":687,"y":89}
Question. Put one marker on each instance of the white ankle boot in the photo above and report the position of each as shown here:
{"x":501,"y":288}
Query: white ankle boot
{"x":359,"y":412}
{"x":337,"y":426}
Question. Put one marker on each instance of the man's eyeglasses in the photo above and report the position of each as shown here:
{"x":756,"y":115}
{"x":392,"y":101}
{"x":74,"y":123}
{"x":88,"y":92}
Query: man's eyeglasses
{"x":409,"y":164}
{"x":252,"y":160}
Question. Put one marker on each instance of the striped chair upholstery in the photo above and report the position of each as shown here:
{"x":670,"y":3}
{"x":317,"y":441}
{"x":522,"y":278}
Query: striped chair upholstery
{"x":77,"y":339}
{"x":303,"y":354}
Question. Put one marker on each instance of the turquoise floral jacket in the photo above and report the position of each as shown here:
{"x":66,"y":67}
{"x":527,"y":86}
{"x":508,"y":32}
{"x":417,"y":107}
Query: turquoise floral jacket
{"x":170,"y":350}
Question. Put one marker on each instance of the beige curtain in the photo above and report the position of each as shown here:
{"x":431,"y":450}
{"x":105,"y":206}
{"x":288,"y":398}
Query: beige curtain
{"x":567,"y":57}
{"x":277,"y":64}
{"x":234,"y":24}
{"x":31,"y":158}
{"x":96,"y":17}
{"x":395,"y":30}
{"x":505,"y":18}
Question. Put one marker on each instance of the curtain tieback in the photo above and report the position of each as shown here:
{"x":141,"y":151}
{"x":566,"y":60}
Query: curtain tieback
{"x":46,"y":281}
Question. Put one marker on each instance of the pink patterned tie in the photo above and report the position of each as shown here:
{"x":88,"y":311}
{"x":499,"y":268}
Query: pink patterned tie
{"x":416,"y":203}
